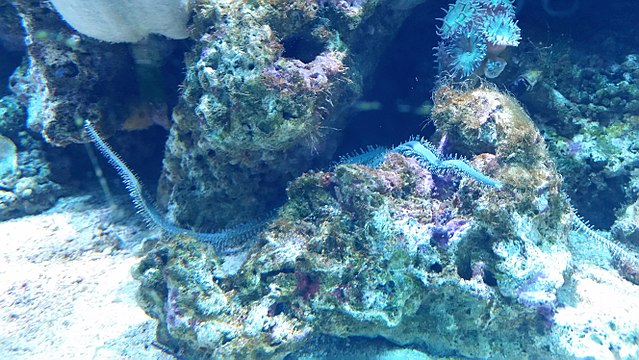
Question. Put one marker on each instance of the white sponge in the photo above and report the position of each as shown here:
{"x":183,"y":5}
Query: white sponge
{"x":126,"y":20}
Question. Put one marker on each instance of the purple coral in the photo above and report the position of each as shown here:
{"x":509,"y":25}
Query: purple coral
{"x":315,"y":76}
{"x":308,"y":285}
{"x":441,"y":235}
{"x":539,"y":293}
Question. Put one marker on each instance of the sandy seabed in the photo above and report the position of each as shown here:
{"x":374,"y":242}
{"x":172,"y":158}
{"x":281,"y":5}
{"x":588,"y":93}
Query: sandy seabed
{"x":66,"y":290}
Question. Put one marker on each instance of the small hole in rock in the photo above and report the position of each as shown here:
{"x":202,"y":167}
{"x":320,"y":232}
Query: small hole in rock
{"x":303,"y":48}
{"x":489,"y":278}
{"x":436,"y":267}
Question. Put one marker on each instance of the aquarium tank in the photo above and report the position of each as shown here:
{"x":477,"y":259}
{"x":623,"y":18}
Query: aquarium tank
{"x":319,"y":179}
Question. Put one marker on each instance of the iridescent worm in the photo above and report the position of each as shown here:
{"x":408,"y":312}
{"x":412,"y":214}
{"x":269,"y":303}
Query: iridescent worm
{"x":427,"y":155}
{"x":222,"y":240}
{"x":432,"y":159}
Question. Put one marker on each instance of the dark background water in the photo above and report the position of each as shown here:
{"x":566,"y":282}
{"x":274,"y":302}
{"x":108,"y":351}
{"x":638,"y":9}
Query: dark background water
{"x":406,"y":74}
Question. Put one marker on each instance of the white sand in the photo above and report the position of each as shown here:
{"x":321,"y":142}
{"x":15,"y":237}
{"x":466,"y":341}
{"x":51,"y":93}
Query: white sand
{"x":66,"y":291}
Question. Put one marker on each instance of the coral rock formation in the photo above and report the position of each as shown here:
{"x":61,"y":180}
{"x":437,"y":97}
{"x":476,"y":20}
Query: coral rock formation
{"x":388,"y":252}
{"x":265,"y":86}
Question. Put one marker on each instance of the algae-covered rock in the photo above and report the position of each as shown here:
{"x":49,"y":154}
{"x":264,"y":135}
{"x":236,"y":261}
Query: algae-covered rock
{"x":484,"y":120}
{"x":266,"y":85}
{"x":392,"y":252}
{"x":586,"y":104}
{"x":66,"y":77}
{"x":28,"y":174}
{"x":8,"y":157}
{"x":201,"y":313}
{"x":529,"y":221}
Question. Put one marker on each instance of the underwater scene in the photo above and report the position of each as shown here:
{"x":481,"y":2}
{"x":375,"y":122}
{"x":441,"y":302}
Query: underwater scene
{"x":319,"y":179}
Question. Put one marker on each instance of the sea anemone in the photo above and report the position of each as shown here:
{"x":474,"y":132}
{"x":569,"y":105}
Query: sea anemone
{"x":474,"y":33}
{"x":460,"y":16}
{"x":501,"y":30}
{"x":499,"y":6}
{"x":467,"y":54}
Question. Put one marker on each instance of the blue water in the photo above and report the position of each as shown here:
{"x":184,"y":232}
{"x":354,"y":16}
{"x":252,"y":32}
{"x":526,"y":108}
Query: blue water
{"x":229,"y":125}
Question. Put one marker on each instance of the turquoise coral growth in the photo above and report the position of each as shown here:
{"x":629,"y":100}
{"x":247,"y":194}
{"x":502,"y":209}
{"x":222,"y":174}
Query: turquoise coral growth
{"x":467,"y":53}
{"x":474,"y":33}
{"x":501,"y":30}
{"x":460,"y":16}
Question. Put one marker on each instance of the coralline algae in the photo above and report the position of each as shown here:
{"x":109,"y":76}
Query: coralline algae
{"x":388,"y":251}
{"x":476,"y":258}
{"x":265,"y":86}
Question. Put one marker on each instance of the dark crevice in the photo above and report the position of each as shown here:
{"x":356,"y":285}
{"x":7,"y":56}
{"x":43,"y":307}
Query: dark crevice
{"x":302,"y":47}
